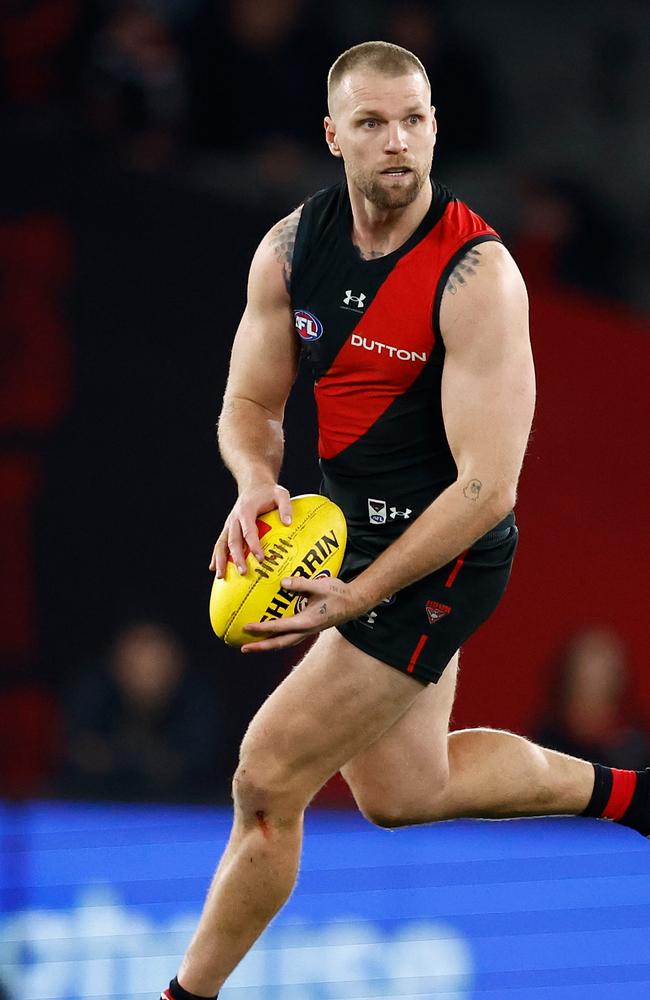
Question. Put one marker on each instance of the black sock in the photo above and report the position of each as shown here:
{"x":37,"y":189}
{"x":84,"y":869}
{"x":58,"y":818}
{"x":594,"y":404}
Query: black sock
{"x":623,"y":796}
{"x":637,"y":815}
{"x":603,"y":781}
{"x":176,"y":992}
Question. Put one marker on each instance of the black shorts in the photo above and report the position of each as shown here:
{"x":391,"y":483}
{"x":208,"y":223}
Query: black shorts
{"x":419,"y":629}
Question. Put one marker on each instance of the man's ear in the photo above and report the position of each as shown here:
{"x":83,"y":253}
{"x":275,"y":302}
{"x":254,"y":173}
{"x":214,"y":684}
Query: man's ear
{"x":330,"y":136}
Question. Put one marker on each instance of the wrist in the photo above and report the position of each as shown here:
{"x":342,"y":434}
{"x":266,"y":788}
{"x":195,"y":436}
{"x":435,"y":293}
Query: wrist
{"x":254,"y":477}
{"x":361,"y":595}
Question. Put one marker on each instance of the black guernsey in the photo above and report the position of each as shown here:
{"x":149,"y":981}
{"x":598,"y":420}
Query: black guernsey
{"x":370,"y":332}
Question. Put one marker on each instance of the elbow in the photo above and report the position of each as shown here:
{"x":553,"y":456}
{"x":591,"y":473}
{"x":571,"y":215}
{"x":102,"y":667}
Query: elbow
{"x":503,"y":499}
{"x":496,"y":499}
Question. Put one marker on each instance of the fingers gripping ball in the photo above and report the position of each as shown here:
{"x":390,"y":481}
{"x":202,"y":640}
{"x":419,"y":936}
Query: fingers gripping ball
{"x":312,"y":545}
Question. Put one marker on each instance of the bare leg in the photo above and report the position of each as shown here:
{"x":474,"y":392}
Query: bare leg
{"x":337,"y":702}
{"x":474,"y":772}
{"x":253,"y":880}
{"x":498,"y":774}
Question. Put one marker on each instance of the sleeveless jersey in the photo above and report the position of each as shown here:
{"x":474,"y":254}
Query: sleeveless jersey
{"x":370,"y":332}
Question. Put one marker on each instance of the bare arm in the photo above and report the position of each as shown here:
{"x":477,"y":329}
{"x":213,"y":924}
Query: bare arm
{"x":488,"y":393}
{"x":488,"y":396}
{"x":263,"y":367}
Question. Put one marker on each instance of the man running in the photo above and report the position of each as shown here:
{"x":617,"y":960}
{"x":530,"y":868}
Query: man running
{"x":413,"y":316}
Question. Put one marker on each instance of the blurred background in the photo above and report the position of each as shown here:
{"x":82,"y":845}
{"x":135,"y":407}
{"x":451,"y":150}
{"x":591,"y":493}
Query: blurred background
{"x":148,"y":146}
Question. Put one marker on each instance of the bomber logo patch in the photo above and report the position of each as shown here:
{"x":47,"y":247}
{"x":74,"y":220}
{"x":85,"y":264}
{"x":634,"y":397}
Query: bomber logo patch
{"x":436,"y":611}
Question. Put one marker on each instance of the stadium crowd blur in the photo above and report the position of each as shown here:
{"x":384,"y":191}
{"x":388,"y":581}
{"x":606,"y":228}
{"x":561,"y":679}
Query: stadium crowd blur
{"x":150,"y":143}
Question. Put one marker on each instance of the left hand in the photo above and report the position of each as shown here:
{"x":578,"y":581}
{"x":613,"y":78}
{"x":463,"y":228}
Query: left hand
{"x":330,"y":602}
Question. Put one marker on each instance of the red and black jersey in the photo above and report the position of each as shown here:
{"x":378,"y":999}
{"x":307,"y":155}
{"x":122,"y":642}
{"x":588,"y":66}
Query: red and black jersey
{"x":370,"y":331}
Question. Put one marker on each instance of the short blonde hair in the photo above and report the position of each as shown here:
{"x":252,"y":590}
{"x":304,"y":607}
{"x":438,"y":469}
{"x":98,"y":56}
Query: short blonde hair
{"x":382,"y":57}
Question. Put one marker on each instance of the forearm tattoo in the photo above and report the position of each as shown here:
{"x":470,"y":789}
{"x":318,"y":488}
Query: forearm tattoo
{"x":283,"y":241}
{"x":464,"y":269}
{"x":472,"y":490}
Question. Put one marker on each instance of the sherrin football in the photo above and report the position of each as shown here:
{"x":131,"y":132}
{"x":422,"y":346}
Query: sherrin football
{"x":312,"y":545}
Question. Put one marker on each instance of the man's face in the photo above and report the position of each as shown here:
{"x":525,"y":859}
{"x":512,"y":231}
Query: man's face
{"x":384,"y":128}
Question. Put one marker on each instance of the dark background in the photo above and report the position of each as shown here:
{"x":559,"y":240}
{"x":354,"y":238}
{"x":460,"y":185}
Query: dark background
{"x":148,"y":148}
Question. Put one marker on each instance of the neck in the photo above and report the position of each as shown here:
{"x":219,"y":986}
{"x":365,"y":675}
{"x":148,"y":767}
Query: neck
{"x":378,"y":231}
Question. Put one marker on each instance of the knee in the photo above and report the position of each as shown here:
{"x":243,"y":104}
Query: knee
{"x":388,"y":815}
{"x":405,"y":807}
{"x":264,"y":785}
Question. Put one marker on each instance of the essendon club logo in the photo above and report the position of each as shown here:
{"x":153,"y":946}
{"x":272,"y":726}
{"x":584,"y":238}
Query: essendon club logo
{"x":436,"y":611}
{"x":376,"y":511}
{"x":307,"y":325}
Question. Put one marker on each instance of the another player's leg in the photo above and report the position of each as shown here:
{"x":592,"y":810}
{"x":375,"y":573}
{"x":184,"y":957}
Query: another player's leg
{"x":335,"y":704}
{"x":416,"y":773}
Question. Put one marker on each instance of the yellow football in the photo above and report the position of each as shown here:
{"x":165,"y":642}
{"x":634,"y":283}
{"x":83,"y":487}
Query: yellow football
{"x":312,"y":545}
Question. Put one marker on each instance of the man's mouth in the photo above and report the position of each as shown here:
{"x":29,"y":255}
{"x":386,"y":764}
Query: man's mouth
{"x":396,"y":171}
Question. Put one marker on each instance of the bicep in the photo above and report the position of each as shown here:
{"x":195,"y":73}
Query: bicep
{"x":264,"y":359}
{"x":488,"y":384}
{"x":265,"y":353}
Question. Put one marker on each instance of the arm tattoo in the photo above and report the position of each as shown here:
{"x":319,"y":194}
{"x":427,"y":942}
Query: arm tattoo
{"x":283,"y":241}
{"x":472,"y":490}
{"x":464,"y":269}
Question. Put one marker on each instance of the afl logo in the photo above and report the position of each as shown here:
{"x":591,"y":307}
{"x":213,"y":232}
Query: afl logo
{"x":308,"y":327}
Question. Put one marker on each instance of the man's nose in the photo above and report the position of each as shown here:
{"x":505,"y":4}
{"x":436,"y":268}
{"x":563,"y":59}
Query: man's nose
{"x":396,"y":138}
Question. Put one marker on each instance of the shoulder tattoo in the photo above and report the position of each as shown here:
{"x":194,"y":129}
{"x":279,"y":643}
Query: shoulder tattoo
{"x":283,"y":240}
{"x":464,"y":269}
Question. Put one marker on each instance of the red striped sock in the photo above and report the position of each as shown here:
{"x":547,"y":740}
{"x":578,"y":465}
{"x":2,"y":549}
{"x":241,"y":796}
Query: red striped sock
{"x":621,"y":795}
{"x":176,"y":992}
{"x":613,"y":792}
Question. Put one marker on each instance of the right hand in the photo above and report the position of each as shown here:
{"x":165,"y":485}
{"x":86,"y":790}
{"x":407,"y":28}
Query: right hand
{"x":240,"y":530}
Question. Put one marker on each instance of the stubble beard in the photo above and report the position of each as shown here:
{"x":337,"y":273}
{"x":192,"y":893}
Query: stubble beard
{"x":384,"y":197}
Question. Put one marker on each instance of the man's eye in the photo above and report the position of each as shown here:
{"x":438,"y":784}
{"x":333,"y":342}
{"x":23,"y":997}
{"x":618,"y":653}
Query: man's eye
{"x":414,"y":119}
{"x":370,"y":122}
